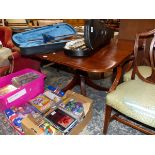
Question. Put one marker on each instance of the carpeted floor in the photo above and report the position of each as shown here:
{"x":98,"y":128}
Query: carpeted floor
{"x":95,"y":126}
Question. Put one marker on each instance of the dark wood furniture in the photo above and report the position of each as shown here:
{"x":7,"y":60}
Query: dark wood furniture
{"x":130,"y":27}
{"x":75,"y":22}
{"x":148,"y":47}
{"x":103,"y":60}
{"x":144,"y":42}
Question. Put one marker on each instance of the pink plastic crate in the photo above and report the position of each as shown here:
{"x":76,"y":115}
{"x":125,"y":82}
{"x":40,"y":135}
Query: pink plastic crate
{"x":22,"y":94}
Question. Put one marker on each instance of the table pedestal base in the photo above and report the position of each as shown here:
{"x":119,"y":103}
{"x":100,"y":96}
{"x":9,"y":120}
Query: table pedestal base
{"x":82,"y":81}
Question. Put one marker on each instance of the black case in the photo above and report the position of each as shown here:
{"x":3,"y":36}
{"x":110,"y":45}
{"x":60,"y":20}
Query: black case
{"x":96,"y":35}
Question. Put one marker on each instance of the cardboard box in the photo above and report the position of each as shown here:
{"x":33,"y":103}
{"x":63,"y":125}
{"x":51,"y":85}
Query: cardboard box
{"x":31,"y":128}
{"x":76,"y":130}
{"x":87,"y":110}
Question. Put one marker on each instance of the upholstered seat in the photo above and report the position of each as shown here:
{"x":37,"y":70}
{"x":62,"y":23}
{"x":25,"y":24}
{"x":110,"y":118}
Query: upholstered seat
{"x":144,"y":70}
{"x":136,"y":99}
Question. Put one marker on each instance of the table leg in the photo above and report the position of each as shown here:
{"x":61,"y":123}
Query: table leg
{"x":75,"y":81}
{"x":82,"y":80}
{"x":83,"y":85}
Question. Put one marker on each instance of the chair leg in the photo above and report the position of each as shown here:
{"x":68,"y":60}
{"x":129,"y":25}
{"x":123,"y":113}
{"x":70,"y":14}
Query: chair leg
{"x":108,"y":111}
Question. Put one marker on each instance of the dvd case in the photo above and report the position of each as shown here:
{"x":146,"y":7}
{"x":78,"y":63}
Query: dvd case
{"x":41,"y":103}
{"x":61,"y":120}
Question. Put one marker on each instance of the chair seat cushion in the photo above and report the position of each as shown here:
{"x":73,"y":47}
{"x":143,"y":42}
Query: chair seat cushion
{"x":136,"y":99}
{"x":144,"y":70}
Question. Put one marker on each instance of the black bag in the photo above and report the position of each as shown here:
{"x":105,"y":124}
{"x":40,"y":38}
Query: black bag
{"x":96,"y":35}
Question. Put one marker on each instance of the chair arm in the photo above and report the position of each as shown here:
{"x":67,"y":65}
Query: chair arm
{"x":117,"y":78}
{"x":16,"y":55}
{"x":10,"y":44}
{"x":12,"y":58}
{"x":120,"y":69}
{"x":128,"y":63}
{"x":16,"y":49}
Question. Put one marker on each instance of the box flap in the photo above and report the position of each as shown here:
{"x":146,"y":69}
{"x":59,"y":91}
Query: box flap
{"x":30,"y":127}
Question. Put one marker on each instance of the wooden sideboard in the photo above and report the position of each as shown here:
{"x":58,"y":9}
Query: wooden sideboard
{"x":130,"y":27}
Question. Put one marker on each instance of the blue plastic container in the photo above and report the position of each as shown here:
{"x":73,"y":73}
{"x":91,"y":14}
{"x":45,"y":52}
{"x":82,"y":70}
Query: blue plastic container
{"x":44,"y":40}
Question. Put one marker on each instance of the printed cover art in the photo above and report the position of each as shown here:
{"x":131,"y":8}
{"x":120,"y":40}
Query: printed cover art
{"x":16,"y":114}
{"x":73,"y":107}
{"x":60,"y":119}
{"x":55,"y":98}
{"x":48,"y":129}
{"x":41,"y":102}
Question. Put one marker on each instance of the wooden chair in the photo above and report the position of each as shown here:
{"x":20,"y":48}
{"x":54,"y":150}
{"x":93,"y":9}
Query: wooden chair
{"x":142,"y":63}
{"x":128,"y":30}
{"x":135,"y":99}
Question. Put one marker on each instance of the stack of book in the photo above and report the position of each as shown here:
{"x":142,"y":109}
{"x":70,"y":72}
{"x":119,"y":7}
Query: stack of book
{"x":73,"y":108}
{"x":44,"y":102}
{"x":52,"y":96}
{"x":15,"y":115}
{"x":23,"y":79}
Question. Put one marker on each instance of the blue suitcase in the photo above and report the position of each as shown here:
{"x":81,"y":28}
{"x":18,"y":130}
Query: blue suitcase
{"x":44,"y":40}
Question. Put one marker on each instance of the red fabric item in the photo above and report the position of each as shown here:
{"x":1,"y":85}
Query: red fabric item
{"x":20,"y":62}
{"x":24,"y":62}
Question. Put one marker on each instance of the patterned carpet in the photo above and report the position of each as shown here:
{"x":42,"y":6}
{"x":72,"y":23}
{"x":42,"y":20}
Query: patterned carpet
{"x":95,"y":126}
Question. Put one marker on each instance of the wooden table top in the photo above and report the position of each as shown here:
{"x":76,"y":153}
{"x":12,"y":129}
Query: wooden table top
{"x":102,"y":60}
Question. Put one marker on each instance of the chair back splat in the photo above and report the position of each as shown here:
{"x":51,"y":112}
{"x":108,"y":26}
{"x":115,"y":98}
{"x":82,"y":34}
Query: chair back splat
{"x":145,"y":42}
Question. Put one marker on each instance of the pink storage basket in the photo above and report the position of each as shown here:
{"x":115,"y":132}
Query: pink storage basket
{"x":22,"y":94}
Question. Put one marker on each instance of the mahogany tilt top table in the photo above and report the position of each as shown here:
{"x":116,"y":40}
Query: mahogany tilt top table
{"x":103,"y":60}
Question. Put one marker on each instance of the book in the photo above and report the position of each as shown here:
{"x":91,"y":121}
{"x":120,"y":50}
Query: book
{"x":55,"y":98}
{"x":61,"y":120}
{"x":7,"y":89}
{"x":15,"y":115}
{"x":56,"y":90}
{"x":41,"y":103}
{"x":73,"y":107}
{"x":23,"y":79}
{"x":48,"y":129}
